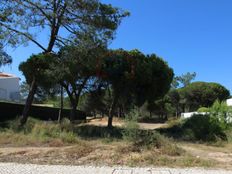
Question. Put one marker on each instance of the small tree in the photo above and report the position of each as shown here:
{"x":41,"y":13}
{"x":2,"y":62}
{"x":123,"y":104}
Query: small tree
{"x":37,"y":72}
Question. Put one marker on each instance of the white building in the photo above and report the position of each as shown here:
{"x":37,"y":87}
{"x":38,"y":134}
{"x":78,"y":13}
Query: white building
{"x":190,"y":114}
{"x":9,"y":87}
{"x":229,"y":102}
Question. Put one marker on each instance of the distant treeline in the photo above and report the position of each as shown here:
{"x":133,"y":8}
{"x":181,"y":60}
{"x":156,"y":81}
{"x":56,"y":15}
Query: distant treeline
{"x":10,"y":111}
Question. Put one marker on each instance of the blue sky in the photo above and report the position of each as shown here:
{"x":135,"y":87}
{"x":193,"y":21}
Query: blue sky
{"x":191,"y":35}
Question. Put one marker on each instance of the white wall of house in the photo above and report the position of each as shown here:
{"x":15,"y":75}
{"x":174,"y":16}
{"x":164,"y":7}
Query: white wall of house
{"x":9,"y":88}
{"x":229,"y":102}
{"x":190,"y":114}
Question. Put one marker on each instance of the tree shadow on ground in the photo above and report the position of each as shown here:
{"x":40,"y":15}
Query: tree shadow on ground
{"x":91,"y":131}
{"x":151,"y":120}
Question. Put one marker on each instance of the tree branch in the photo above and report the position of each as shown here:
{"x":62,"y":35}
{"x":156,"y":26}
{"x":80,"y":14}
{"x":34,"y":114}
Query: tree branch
{"x":40,"y":9}
{"x":23,"y":34}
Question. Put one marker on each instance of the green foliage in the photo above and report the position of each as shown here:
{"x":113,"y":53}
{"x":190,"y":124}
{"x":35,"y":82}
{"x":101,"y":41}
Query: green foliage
{"x":146,"y":138}
{"x":174,"y":99}
{"x":131,"y":127}
{"x":92,"y":132}
{"x":133,"y":75}
{"x":4,"y":57}
{"x":203,"y":127}
{"x":202,"y":94}
{"x":203,"y":109}
{"x":131,"y":72}
{"x":90,"y":21}
{"x":214,"y":125}
{"x":44,"y":131}
{"x":39,"y":67}
{"x":44,"y":95}
{"x":66,"y":125}
{"x":55,"y":101}
{"x":18,"y":23}
{"x":183,"y":80}
{"x":222,"y":113}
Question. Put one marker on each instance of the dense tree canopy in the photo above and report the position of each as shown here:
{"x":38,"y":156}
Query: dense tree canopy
{"x":76,"y":70}
{"x":202,"y":94}
{"x":135,"y":75}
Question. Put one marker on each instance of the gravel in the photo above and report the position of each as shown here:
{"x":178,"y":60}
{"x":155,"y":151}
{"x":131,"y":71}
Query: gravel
{"x":14,"y":168}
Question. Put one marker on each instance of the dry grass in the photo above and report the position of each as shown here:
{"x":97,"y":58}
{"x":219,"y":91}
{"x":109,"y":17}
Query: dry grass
{"x":46,"y":143}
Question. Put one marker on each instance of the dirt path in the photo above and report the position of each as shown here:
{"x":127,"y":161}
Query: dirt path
{"x":103,"y":154}
{"x":120,"y":123}
{"x":222,"y":155}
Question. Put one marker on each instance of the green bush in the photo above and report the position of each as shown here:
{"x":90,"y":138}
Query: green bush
{"x":203,"y":109}
{"x":14,"y":125}
{"x":131,"y":127}
{"x":203,"y":127}
{"x":147,"y":138}
{"x":92,"y":131}
{"x":222,"y":113}
{"x":66,"y":125}
{"x":45,"y":131}
{"x":210,"y":127}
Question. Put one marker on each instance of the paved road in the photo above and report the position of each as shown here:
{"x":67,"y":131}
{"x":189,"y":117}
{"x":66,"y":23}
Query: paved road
{"x":13,"y":168}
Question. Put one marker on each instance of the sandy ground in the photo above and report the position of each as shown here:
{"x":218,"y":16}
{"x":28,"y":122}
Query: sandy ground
{"x":120,"y":123}
{"x":222,"y":155}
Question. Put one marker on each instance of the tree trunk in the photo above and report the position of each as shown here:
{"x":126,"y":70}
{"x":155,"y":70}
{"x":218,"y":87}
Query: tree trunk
{"x":177,"y":111}
{"x":111,"y":111}
{"x":73,"y":112}
{"x":61,"y":104}
{"x":28,"y":103}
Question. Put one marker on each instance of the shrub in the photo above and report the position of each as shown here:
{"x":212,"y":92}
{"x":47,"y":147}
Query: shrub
{"x":203,"y":109}
{"x":68,"y":137}
{"x":66,"y":125}
{"x":91,"y":131}
{"x":222,"y":113}
{"x":147,"y":138}
{"x":46,"y":130}
{"x":203,"y":127}
{"x":131,"y":127}
{"x":14,"y":125}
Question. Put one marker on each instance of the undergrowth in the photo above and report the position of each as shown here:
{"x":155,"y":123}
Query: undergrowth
{"x":37,"y":132}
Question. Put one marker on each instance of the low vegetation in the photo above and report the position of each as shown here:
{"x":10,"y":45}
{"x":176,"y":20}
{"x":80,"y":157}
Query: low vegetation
{"x":85,"y":144}
{"x":212,"y":126}
{"x":77,"y":144}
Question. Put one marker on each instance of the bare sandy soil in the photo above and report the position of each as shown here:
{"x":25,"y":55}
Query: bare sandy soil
{"x":222,"y":155}
{"x":120,"y":123}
